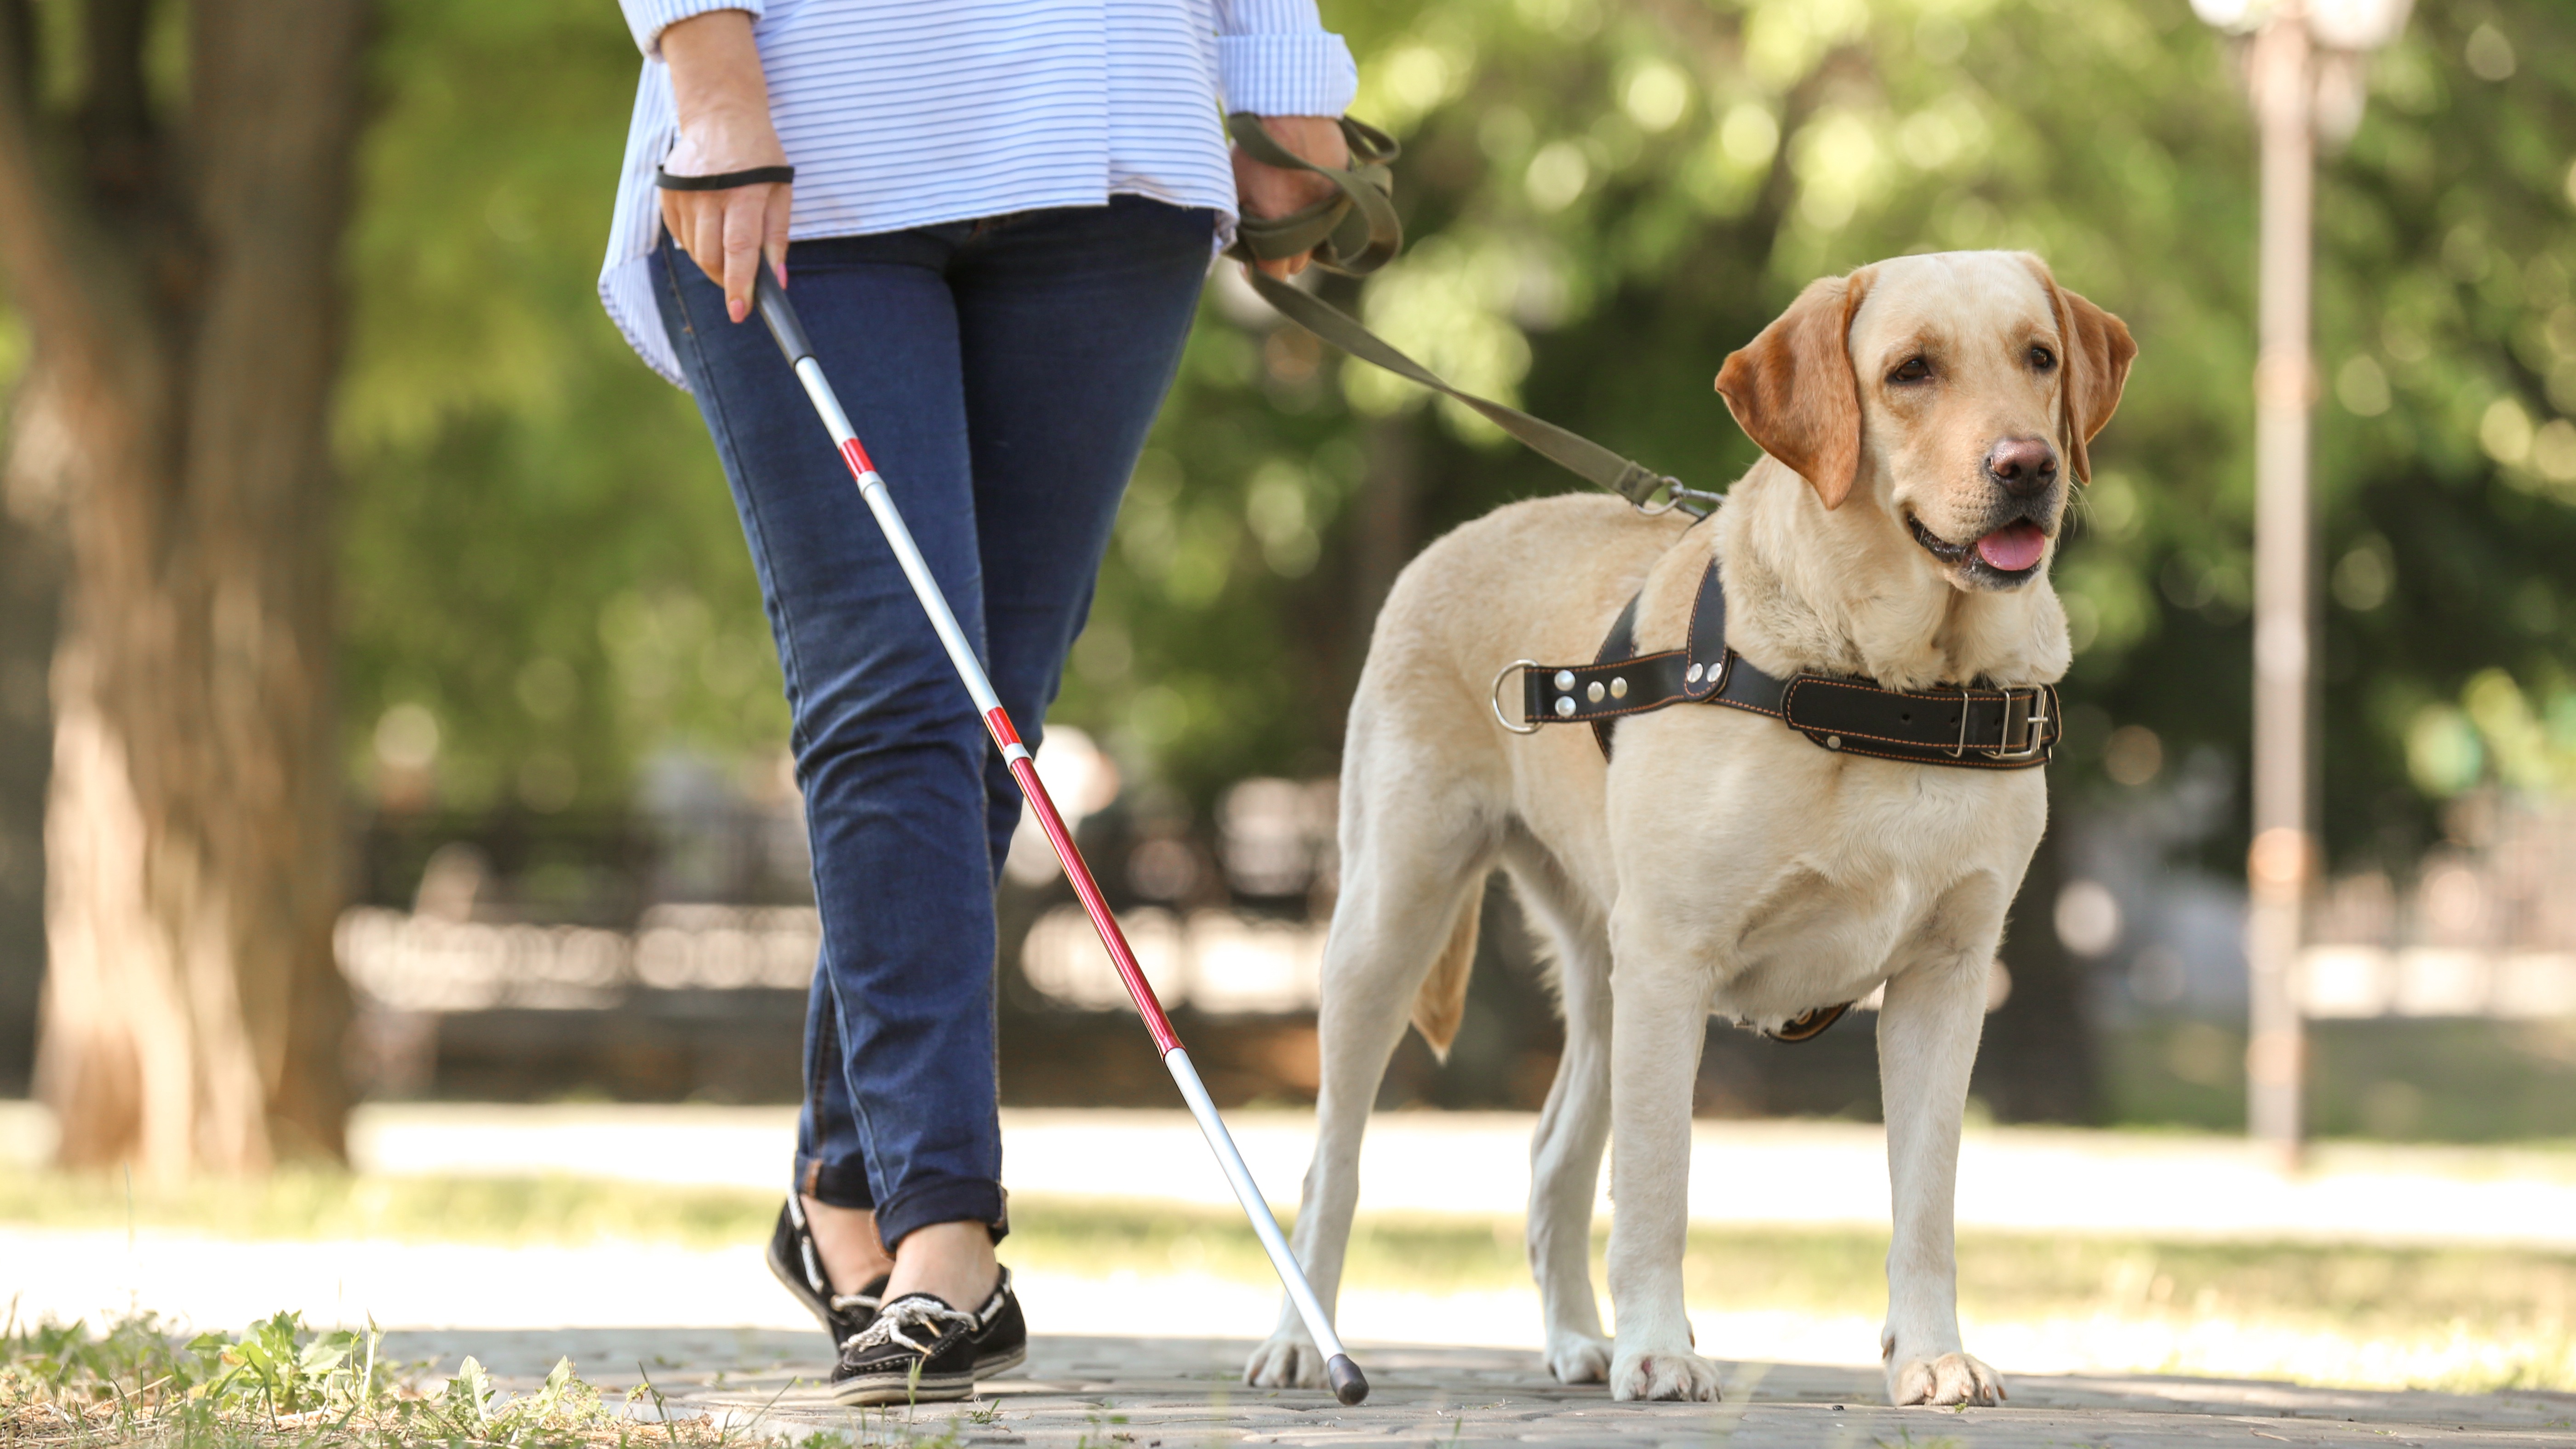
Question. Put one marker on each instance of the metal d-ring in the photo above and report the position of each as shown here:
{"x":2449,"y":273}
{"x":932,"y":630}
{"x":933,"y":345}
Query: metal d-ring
{"x":1497,"y":695}
{"x":1692,"y":501}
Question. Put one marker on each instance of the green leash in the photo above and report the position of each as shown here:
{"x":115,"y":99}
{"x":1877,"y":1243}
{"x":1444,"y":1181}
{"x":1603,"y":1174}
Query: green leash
{"x":1356,"y":232}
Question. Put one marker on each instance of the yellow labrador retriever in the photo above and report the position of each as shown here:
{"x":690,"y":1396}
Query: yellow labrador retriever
{"x":1920,"y":419}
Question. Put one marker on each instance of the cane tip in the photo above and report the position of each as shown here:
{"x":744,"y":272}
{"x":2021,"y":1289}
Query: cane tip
{"x":1349,"y":1384}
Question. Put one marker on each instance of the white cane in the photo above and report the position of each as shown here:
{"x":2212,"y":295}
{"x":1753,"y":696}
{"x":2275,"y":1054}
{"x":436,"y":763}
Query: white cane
{"x":1349,"y":1385}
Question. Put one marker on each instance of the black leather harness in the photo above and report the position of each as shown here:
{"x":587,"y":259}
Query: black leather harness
{"x":1963,"y":727}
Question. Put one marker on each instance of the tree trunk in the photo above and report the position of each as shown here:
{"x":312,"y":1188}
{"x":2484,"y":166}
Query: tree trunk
{"x":179,"y":275}
{"x":30,"y":584}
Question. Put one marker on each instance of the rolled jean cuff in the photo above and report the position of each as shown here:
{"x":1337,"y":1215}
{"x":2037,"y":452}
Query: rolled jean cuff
{"x":944,"y":1200}
{"x":834,"y":1184}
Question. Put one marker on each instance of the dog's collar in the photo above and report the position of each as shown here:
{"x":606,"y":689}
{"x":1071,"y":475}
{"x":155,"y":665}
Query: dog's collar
{"x":1962,"y":727}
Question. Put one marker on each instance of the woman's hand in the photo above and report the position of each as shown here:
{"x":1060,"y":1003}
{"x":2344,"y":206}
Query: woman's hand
{"x":723,"y":100}
{"x":1269,"y":191}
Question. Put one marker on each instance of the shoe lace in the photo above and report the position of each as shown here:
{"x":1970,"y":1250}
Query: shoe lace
{"x":912,"y":1313}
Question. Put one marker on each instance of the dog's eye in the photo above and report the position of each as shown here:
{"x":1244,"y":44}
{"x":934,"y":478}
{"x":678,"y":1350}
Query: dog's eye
{"x":2041,"y":359}
{"x":1912,"y":369}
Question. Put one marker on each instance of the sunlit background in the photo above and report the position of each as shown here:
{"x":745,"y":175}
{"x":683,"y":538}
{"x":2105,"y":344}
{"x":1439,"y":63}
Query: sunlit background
{"x":576,"y":862}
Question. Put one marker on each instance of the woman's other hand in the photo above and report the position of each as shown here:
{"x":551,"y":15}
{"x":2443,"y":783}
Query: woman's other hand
{"x":1269,"y":191}
{"x":723,"y":101}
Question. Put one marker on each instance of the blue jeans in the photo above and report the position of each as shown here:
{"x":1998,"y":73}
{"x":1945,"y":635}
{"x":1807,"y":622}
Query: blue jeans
{"x":1003,"y":375}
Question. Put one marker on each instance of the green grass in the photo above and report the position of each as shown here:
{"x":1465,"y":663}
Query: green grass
{"x":281,"y":1385}
{"x":2396,"y":1080}
{"x":303,"y":1203}
{"x":2361,"y":1291}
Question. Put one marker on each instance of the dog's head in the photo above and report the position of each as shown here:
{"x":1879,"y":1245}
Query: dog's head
{"x":1956,"y":390}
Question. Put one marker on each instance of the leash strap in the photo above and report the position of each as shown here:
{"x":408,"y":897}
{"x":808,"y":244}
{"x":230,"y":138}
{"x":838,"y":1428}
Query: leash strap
{"x":1963,"y":728}
{"x":1355,"y":233}
{"x":723,"y":180}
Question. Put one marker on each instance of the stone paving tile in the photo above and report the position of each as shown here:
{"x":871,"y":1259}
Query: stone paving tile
{"x":1099,"y":1393}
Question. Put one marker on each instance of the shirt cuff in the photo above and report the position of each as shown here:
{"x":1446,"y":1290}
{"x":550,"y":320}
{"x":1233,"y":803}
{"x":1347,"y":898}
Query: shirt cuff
{"x":649,"y":18}
{"x":1274,"y":58}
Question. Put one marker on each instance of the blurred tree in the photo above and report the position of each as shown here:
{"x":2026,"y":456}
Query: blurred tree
{"x":545,"y":585}
{"x":1603,"y":199}
{"x":172,"y":191}
{"x":30,"y":581}
{"x":547,"y":582}
{"x":30,"y":584}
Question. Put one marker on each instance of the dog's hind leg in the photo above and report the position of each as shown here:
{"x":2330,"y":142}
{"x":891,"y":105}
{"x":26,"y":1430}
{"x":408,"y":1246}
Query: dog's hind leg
{"x":1565,"y":1152}
{"x":1412,"y":881}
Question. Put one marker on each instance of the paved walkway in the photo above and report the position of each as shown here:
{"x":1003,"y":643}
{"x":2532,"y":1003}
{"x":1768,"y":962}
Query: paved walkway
{"x":1132,"y":1393}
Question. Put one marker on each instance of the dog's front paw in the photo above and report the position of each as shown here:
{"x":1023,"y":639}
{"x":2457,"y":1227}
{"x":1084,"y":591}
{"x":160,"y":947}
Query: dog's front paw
{"x":1663,"y":1373}
{"x":1285,"y":1361}
{"x":1578,"y":1358}
{"x":1951,"y":1378}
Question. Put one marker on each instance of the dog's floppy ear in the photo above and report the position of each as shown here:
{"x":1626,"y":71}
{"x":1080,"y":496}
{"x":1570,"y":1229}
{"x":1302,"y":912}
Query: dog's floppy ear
{"x":1792,"y":389}
{"x":2098,"y":350}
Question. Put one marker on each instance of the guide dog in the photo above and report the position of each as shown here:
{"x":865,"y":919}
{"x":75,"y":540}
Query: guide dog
{"x":1914,"y":417}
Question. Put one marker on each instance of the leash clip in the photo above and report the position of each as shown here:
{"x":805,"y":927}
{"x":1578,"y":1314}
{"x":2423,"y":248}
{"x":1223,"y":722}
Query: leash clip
{"x":1693,"y":501}
{"x":1497,"y":696}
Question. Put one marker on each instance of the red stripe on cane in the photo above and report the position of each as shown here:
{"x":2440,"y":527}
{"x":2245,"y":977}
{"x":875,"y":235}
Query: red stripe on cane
{"x":857,"y":457}
{"x":1000,"y":724}
{"x":1025,"y":771}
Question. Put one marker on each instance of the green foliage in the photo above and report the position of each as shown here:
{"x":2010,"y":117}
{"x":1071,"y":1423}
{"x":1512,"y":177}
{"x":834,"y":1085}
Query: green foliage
{"x":1603,"y":200}
{"x":541,"y":549}
{"x":279,"y":1366}
{"x":146,"y":1382}
{"x":276,"y":1367}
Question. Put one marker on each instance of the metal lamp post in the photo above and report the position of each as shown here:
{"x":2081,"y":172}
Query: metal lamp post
{"x":2303,"y":71}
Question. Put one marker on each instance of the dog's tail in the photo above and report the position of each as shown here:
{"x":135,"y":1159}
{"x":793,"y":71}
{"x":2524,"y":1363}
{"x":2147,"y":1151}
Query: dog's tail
{"x":1442,"y":1002}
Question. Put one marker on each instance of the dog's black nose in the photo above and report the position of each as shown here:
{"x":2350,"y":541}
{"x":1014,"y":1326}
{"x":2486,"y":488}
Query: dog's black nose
{"x":2023,"y":466}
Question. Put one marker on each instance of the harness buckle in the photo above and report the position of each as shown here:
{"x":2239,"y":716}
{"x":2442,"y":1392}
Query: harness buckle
{"x":1497,"y":697}
{"x":2025,"y":719}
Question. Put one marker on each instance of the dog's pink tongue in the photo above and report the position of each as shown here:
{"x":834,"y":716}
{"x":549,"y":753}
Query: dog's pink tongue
{"x":2013,"y":547}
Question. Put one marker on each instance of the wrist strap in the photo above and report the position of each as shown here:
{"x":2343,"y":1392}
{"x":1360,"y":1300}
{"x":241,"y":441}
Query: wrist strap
{"x":1354,"y":232}
{"x":723,"y":180}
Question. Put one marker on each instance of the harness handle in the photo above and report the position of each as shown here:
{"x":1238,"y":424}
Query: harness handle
{"x":1357,"y":232}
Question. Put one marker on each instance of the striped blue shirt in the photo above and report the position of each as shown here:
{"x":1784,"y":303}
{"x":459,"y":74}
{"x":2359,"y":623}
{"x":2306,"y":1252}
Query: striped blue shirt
{"x":905,"y":113}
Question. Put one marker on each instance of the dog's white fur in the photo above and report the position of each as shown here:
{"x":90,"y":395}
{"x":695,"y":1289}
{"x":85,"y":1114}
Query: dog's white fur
{"x":1723,"y":864}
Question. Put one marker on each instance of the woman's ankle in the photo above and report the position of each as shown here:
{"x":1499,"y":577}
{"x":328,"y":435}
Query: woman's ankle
{"x":953,"y":1261}
{"x":846,"y":1240}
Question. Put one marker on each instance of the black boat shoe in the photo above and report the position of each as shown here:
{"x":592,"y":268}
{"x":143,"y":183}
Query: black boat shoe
{"x":1001,"y":1335}
{"x":799,"y":1268}
{"x":917,"y":1351}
